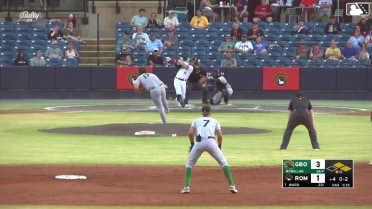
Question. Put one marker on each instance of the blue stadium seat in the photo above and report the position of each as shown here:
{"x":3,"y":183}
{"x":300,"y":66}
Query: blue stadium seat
{"x":171,"y":54}
{"x":277,"y":25}
{"x":267,"y":62}
{"x":7,"y":29}
{"x":182,"y":30}
{"x":276,"y":49}
{"x":299,"y":37}
{"x":6,"y":48}
{"x":198,"y":31}
{"x":347,"y":63}
{"x":288,"y":55}
{"x":216,"y":42}
{"x":122,"y":24}
{"x":24,"y":36}
{"x":274,"y":55}
{"x":8,"y":36}
{"x":243,"y":56}
{"x":315,"y":37}
{"x":152,"y":30}
{"x":40,"y":36}
{"x":211,"y":30}
{"x":250,"y":63}
{"x":201,"y":49}
{"x":330,"y":63}
{"x":329,"y":37}
{"x":212,"y":36}
{"x":171,"y":48}
{"x":298,"y":62}
{"x":216,"y":25}
{"x":141,"y":61}
{"x":271,"y":36}
{"x":245,"y":25}
{"x":53,"y":62}
{"x":186,"y":42}
{"x":202,"y":42}
{"x":283,"y":62}
{"x":212,"y":48}
{"x":259,"y":56}
{"x":22,"y":42}
{"x":228,"y":24}
{"x":8,"y":55}
{"x":187,"y":49}
{"x":214,"y":55}
{"x":184,"y":36}
{"x":282,"y":44}
{"x":225,"y":30}
{"x":263,"y":25}
{"x":8,"y":42}
{"x":315,"y":63}
{"x":363,"y":63}
{"x":70,"y":62}
{"x":285,"y":37}
{"x":197,"y":36}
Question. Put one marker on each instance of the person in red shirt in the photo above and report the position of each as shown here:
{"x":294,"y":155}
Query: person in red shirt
{"x":255,"y":31}
{"x":263,"y":12}
{"x":309,"y":8}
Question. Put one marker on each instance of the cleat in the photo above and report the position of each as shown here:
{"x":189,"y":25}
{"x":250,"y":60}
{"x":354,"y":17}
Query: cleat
{"x":185,"y":190}
{"x":370,"y":163}
{"x":316,"y":149}
{"x":233,"y":189}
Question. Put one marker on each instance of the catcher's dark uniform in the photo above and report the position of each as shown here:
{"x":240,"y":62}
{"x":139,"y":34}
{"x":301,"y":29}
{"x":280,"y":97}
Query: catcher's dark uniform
{"x":300,"y":114}
{"x":195,"y":83}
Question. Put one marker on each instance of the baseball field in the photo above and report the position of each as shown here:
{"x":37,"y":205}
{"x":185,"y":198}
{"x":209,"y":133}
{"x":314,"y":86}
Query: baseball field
{"x":40,"y":139}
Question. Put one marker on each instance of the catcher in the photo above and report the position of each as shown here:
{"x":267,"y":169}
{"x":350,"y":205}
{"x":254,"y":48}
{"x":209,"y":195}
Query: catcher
{"x":197,"y":81}
{"x":223,"y":88}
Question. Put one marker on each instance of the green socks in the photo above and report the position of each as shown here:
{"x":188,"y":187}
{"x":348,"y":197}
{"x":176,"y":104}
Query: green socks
{"x":187,"y":176}
{"x":227,"y":172}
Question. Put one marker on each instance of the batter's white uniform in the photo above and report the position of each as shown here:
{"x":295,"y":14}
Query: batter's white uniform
{"x":206,"y":127}
{"x":180,"y":80}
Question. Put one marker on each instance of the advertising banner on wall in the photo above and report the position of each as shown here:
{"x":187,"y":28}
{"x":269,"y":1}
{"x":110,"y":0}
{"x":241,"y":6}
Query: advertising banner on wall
{"x":281,"y":78}
{"x":125,"y":74}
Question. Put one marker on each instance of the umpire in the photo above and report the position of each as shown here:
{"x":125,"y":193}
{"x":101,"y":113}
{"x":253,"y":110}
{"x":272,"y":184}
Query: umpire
{"x":300,"y":112}
{"x":197,"y":81}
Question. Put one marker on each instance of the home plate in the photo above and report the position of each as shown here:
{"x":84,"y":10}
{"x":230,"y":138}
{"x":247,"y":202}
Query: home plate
{"x":71,"y":177}
{"x":144,"y":133}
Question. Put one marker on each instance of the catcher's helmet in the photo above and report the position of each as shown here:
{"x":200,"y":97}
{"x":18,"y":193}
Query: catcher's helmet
{"x":194,"y":59}
{"x":142,"y":70}
{"x":216,"y":73}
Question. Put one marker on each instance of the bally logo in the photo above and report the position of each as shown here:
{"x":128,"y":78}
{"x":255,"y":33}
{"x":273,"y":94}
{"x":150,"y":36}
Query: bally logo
{"x":281,"y":79}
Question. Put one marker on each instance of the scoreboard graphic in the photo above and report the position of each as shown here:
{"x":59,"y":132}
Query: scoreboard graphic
{"x":318,"y":173}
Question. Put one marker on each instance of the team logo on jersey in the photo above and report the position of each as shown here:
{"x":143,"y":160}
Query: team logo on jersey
{"x":132,"y":77}
{"x":281,"y":79}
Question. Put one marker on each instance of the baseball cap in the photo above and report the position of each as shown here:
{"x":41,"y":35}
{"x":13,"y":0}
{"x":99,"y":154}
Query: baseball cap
{"x":302,"y":41}
{"x":299,"y":94}
{"x":70,"y":15}
{"x":206,"y":108}
{"x":255,"y":22}
{"x":39,"y":51}
{"x":227,"y":35}
{"x":54,"y":42}
{"x":156,"y":49}
{"x":123,"y":48}
{"x":126,"y":32}
{"x":171,"y":12}
{"x":244,"y":35}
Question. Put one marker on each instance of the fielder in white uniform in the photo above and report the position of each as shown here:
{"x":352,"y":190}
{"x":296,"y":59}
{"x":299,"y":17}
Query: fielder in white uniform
{"x":156,"y":87}
{"x":184,"y":71}
{"x":204,"y":129}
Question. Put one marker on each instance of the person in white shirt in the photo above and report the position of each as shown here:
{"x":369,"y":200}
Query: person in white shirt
{"x":171,"y":21}
{"x":243,"y":45}
{"x":140,"y":38}
{"x":325,"y":7}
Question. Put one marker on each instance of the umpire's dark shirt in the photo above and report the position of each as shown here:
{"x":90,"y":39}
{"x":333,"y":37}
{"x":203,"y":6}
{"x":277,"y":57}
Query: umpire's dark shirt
{"x":196,"y":74}
{"x":300,"y":104}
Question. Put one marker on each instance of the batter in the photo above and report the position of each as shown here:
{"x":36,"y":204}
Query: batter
{"x":205,"y":128}
{"x":184,"y":71}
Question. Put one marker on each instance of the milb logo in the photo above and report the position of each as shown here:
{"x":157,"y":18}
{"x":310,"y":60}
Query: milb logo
{"x":357,"y":9}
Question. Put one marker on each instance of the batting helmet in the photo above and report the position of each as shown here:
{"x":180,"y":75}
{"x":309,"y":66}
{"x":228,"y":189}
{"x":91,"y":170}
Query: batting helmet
{"x":216,"y":73}
{"x":195,"y":59}
{"x":141,"y":70}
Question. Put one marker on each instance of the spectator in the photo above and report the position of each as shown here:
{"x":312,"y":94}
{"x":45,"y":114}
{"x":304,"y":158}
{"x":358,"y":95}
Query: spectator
{"x":255,"y":31}
{"x":42,"y":22}
{"x":72,"y":33}
{"x":368,"y":39}
{"x":240,"y":8}
{"x":38,"y":60}
{"x":236,"y":32}
{"x":126,"y":42}
{"x":153,"y":44}
{"x":171,"y":40}
{"x":263,"y":12}
{"x":124,"y":58}
{"x":140,"y":38}
{"x":206,"y":7}
{"x":71,"y":18}
{"x":262,"y":47}
{"x":199,"y":21}
{"x":325,"y":10}
{"x":302,"y":51}
{"x":365,"y":27}
{"x":227,"y":45}
{"x":185,"y":57}
{"x":300,"y":27}
{"x":332,"y":26}
{"x":154,"y":22}
{"x":71,"y":52}
{"x":56,"y":33}
{"x":54,"y":51}
{"x":316,"y":52}
{"x":333,"y":52}
{"x":229,"y":61}
{"x":356,"y":39}
{"x":363,"y":54}
{"x":155,"y":59}
{"x":309,"y":6}
{"x":243,"y":45}
{"x":236,"y":19}
{"x":139,"y":20}
{"x":350,"y":52}
{"x":20,"y":60}
{"x":171,"y":21}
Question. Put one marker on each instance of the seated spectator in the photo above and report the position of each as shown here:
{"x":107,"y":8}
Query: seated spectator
{"x":302,"y":51}
{"x":262,"y":47}
{"x":333,"y":52}
{"x":309,"y":7}
{"x":365,"y":27}
{"x":240,"y":8}
{"x":124,"y":58}
{"x":72,"y":33}
{"x":71,"y":52}
{"x":171,"y":39}
{"x":206,"y":8}
{"x":185,"y":57}
{"x":155,"y":58}
{"x":54,"y":51}
{"x":368,"y":39}
{"x":154,"y":22}
{"x":316,"y":52}
{"x":243,"y":45}
{"x":255,"y":31}
{"x":227,"y":45}
{"x":236,"y":32}
{"x":56,"y":33}
{"x":325,"y":10}
{"x":20,"y":60}
{"x":236,"y":19}
{"x":229,"y":61}
{"x":139,"y":20}
{"x":363,"y":54}
{"x":332,"y":26}
{"x":153,"y":44}
{"x":38,"y":60}
{"x":125,"y":41}
{"x":171,"y":21}
{"x":263,"y":12}
{"x":140,"y":38}
{"x":71,"y":18}
{"x":199,"y":21}
{"x":300,"y":27}
{"x":356,"y":39}
{"x":349,"y":52}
